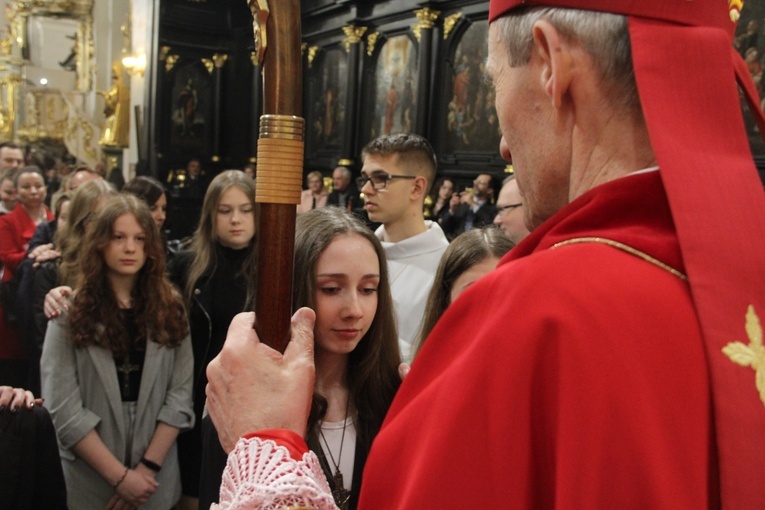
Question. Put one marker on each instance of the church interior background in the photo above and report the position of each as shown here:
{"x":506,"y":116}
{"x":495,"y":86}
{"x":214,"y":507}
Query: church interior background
{"x":145,"y":85}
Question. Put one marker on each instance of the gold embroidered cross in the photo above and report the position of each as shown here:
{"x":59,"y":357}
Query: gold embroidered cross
{"x":752,"y":355}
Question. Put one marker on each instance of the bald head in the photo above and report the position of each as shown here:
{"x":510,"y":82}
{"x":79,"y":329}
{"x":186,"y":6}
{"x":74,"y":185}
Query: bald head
{"x":82,"y":175}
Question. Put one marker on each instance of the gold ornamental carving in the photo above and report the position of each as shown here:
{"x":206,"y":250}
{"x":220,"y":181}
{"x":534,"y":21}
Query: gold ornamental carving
{"x":753,"y":354}
{"x":170,"y":62}
{"x":164,"y":51}
{"x":209,"y":64}
{"x":81,"y":58}
{"x":260,"y":13}
{"x":6,"y":43}
{"x":450,"y":22}
{"x":9,"y":87}
{"x":58,"y":7}
{"x":219,"y":59}
{"x":353,"y":35}
{"x":371,"y":42}
{"x":312,"y":52}
{"x":426,"y":19}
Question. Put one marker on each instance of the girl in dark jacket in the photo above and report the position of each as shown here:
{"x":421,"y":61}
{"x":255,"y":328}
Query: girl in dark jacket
{"x":340,"y":272}
{"x":217,"y":280}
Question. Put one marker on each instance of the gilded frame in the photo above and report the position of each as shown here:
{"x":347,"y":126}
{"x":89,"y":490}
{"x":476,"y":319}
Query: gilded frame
{"x":80,"y":11}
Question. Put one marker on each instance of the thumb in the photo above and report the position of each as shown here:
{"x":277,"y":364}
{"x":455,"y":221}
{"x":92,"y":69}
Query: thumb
{"x":301,"y":337}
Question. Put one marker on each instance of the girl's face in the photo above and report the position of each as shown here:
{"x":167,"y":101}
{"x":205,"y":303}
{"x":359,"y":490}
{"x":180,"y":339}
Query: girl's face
{"x":446,"y":190}
{"x":235,"y":219}
{"x":31,"y":189}
{"x":347,"y":277}
{"x":159,"y":211}
{"x":125,"y":253}
{"x":470,"y":276}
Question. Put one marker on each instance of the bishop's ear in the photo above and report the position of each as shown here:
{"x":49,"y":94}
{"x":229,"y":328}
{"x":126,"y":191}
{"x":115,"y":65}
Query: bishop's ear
{"x":554,"y":60}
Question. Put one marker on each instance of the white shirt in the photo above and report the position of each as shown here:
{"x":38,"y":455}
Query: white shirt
{"x":412,"y":265}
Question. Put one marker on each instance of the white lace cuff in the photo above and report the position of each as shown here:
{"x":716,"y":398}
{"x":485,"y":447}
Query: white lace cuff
{"x":260,"y":474}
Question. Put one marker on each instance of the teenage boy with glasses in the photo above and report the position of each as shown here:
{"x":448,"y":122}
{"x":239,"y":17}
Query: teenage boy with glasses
{"x":396,"y":176}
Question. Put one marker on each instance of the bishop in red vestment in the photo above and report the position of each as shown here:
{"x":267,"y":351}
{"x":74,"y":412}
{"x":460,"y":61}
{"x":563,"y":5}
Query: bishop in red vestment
{"x":615,"y":358}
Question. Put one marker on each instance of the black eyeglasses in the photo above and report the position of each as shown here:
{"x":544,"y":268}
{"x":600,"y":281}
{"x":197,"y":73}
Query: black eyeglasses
{"x":504,"y":208}
{"x":379,"y":179}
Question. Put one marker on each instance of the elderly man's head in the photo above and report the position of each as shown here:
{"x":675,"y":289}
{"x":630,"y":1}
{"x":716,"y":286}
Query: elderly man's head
{"x":541,"y":128}
{"x":341,"y":178}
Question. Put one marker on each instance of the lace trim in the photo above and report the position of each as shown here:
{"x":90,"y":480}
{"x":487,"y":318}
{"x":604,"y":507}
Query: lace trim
{"x":261,"y":475}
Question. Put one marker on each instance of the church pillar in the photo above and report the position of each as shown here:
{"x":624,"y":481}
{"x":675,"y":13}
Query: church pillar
{"x":423,"y":31}
{"x":349,"y":149}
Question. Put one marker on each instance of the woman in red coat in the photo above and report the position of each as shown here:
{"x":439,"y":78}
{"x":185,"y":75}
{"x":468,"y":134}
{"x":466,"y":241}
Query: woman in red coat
{"x":16,"y":229}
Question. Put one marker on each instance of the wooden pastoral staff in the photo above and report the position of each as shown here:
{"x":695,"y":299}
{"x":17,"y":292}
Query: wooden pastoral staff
{"x":279,"y":174}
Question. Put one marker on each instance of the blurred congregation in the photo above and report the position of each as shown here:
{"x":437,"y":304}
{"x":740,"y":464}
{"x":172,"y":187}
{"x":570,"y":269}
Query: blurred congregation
{"x":53,"y":248}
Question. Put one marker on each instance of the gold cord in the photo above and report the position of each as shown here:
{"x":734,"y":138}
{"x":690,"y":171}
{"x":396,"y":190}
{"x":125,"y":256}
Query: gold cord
{"x":625,"y":248}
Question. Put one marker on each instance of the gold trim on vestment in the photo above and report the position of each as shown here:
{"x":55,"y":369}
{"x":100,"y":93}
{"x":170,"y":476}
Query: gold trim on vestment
{"x":626,"y":248}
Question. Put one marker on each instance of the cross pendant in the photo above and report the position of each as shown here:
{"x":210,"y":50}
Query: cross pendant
{"x":124,"y":370}
{"x":341,"y":495}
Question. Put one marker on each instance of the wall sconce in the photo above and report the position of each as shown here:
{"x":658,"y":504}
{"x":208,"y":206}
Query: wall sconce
{"x":134,"y":64}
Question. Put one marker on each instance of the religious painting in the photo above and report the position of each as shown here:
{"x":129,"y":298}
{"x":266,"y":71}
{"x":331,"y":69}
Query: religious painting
{"x":191,"y":106}
{"x":396,"y":87}
{"x":327,"y":92}
{"x":471,"y":118}
{"x":749,"y":41}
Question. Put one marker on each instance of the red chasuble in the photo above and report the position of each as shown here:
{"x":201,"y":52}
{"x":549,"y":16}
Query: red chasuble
{"x":573,"y":376}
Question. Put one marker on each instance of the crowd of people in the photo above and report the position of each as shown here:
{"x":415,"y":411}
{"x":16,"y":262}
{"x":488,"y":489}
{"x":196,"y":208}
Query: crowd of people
{"x":613,"y":359}
{"x":567,"y":339}
{"x":115,"y":331}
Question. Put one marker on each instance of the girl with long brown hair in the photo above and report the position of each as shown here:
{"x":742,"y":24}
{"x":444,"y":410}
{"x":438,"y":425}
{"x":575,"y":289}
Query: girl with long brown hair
{"x":116,"y":370}
{"x":341,"y":273}
{"x":470,"y":256}
{"x":62,"y":270}
{"x":217,"y":278}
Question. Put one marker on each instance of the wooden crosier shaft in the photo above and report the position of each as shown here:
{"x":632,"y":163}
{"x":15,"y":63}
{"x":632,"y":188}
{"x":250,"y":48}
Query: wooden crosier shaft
{"x":279,"y":172}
